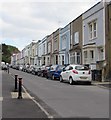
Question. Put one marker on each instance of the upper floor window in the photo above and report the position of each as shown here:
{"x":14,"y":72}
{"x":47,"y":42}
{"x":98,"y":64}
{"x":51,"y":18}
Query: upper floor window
{"x":55,"y":44}
{"x":76,"y":38}
{"x":33,"y":52}
{"x":93,"y":30}
{"x":44,"y":48}
{"x":49,"y":47}
{"x":85,"y":54}
{"x":64,"y":42}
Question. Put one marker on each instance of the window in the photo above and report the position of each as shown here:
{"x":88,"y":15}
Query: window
{"x":33,"y":52}
{"x":85,"y":54}
{"x":62,"y":59}
{"x":76,"y":37}
{"x":44,"y":61}
{"x":78,"y":58}
{"x":67,"y":68}
{"x":91,"y":54}
{"x":81,"y":67}
{"x":70,"y":68}
{"x":90,"y":30}
{"x":75,"y":58}
{"x":93,"y":29}
{"x":49,"y":47}
{"x":55,"y":45}
{"x":48,"y":61}
{"x":64,"y":42}
{"x":56,"y":59}
{"x":44,"y":48}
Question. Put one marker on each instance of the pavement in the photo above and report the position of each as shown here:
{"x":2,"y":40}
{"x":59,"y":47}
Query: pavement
{"x":106,"y":85}
{"x":15,"y":108}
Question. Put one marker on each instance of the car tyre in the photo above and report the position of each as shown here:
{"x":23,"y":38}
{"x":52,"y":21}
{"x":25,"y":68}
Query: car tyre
{"x":89,"y":83}
{"x":71,"y":82}
{"x":53,"y":77}
{"x":42,"y":74}
{"x":61,"y":79}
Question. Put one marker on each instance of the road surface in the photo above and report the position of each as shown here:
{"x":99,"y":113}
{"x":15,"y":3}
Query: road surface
{"x":68,"y":101}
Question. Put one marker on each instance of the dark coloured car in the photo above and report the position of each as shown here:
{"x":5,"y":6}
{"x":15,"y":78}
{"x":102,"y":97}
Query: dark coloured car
{"x":17,"y":67}
{"x":55,"y":71}
{"x":35,"y":70}
{"x":4,"y":67}
{"x":43,"y":71}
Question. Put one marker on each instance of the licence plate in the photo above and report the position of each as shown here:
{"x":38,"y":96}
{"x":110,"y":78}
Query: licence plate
{"x":83,"y":77}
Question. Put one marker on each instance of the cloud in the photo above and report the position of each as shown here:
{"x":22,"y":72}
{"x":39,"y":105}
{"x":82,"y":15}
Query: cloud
{"x":23,"y":21}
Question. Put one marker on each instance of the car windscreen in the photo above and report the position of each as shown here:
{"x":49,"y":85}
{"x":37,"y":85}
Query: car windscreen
{"x":81,"y":67}
{"x":60,"y":67}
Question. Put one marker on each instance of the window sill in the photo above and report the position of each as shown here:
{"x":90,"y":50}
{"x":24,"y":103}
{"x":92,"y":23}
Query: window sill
{"x":92,"y":39}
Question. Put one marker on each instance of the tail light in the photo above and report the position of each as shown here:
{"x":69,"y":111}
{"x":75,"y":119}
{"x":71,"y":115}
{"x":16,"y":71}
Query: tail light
{"x":74,"y":71}
{"x":89,"y":72}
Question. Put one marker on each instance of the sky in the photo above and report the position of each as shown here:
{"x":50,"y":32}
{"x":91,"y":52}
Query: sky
{"x":22,"y":21}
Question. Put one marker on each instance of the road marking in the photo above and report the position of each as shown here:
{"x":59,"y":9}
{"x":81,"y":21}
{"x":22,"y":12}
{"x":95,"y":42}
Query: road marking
{"x":32,"y":98}
{"x":24,"y":95}
{"x":49,"y":116}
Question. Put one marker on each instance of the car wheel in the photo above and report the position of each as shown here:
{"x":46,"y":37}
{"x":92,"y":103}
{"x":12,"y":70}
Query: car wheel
{"x":89,"y":83}
{"x":71,"y":81}
{"x":53,"y":77}
{"x":61,"y":79}
{"x":42,"y":74}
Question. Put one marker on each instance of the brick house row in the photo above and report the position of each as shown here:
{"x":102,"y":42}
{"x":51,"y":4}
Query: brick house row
{"x":85,"y":40}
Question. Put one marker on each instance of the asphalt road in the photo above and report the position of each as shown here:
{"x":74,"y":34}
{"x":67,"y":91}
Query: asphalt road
{"x":76,"y":101}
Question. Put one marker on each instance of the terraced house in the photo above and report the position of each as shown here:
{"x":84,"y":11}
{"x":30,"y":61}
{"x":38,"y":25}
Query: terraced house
{"x":40,"y":52}
{"x":44,"y":50}
{"x":64,"y":45}
{"x":94,"y":38}
{"x":76,"y":41}
{"x":49,"y":49}
{"x":85,"y":40}
{"x":108,"y":40}
{"x":55,"y":47}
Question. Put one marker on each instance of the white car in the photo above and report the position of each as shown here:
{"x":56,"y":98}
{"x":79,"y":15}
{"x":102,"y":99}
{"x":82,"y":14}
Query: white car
{"x":76,"y":73}
{"x":21,"y":67}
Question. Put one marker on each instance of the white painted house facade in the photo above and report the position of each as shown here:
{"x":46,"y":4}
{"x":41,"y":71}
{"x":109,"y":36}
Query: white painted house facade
{"x":94,"y":35}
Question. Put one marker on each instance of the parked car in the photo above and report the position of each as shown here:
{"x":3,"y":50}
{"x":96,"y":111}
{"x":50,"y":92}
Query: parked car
{"x":30,"y":68}
{"x":76,"y":73}
{"x":39,"y":71}
{"x":17,"y":67}
{"x":35,"y":70}
{"x":21,"y":67}
{"x":44,"y":70}
{"x":27,"y":68}
{"x":24,"y":68}
{"x":4,"y":67}
{"x":54,"y":71}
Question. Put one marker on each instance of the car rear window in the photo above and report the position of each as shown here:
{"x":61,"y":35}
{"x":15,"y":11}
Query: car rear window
{"x":81,"y":68}
{"x":53,"y":67}
{"x":61,"y":67}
